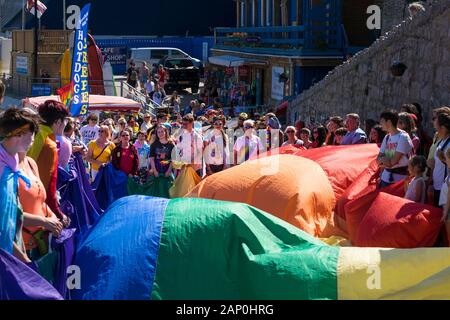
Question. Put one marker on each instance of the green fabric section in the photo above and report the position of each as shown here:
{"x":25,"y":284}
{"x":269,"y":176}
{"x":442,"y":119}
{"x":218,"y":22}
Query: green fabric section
{"x":154,"y":187}
{"x":224,"y":250}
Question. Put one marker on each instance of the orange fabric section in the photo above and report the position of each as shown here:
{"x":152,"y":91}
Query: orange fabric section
{"x":292,"y":188}
{"x":394,"y":222}
{"x":342,"y":164}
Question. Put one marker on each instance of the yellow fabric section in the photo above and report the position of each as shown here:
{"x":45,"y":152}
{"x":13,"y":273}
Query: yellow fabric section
{"x":404,"y":274}
{"x":184,"y":183}
{"x":66,"y":68}
{"x":337,"y":241}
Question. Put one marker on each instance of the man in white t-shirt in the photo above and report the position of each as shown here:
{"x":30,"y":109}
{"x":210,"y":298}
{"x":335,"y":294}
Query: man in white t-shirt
{"x":90,"y":131}
{"x":249,"y":146}
{"x":147,"y":124}
{"x":395,"y":150}
{"x":216,"y":152}
{"x":189,"y":145}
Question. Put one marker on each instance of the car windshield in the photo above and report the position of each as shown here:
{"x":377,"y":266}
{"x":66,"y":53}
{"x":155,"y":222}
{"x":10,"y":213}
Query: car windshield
{"x":179,"y":63}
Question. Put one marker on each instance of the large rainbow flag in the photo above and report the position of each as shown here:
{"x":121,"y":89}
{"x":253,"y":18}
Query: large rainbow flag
{"x":153,"y":248}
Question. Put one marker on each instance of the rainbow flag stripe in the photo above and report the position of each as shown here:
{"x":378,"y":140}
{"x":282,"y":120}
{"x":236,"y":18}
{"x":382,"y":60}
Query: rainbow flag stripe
{"x":152,"y":248}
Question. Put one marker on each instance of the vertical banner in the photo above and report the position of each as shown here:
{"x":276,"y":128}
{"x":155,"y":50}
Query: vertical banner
{"x":80,"y":74}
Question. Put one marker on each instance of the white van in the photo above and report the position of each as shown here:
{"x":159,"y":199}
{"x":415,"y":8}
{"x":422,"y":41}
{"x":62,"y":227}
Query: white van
{"x":154,"y":55}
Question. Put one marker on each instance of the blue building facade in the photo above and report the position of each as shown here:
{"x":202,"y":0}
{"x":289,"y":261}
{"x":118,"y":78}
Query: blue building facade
{"x":285,"y":45}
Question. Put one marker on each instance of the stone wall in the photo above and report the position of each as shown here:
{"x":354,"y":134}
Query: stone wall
{"x":393,"y":13}
{"x":365,"y":85}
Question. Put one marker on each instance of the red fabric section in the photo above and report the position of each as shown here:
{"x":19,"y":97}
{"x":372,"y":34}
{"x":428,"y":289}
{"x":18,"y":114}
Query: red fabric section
{"x":342,"y":164}
{"x":95,"y":68}
{"x":359,"y":196}
{"x":394,"y":222}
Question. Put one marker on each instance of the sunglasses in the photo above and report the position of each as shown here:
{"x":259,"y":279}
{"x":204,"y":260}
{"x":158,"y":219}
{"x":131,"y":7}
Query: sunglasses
{"x":248,"y":127}
{"x":290,"y":131}
{"x":218,"y":124}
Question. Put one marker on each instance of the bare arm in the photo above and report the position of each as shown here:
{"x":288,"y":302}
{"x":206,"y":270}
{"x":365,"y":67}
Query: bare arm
{"x":19,"y":254}
{"x":389,"y":163}
{"x":420,"y":189}
{"x":446,"y":208}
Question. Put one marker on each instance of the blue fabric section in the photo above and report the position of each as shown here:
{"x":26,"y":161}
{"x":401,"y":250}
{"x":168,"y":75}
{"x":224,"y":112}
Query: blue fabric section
{"x":118,"y":257}
{"x":109,"y":185}
{"x":20,"y":282}
{"x":77,"y":197}
{"x":8,"y":204}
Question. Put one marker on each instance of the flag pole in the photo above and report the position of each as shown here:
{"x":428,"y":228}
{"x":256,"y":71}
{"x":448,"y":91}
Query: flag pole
{"x":36,"y":23}
{"x":64,"y":14}
{"x":23,"y":14}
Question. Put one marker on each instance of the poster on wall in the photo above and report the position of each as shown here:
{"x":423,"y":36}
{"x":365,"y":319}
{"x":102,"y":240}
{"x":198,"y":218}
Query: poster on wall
{"x":277,"y":86}
{"x":22,"y":65}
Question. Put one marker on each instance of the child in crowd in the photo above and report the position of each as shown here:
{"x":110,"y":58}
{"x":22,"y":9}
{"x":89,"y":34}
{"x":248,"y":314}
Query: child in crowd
{"x":339,"y":135}
{"x":415,"y":186}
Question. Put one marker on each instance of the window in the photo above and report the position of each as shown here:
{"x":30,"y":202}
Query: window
{"x":159,"y":53}
{"x":140,"y":54}
{"x":178,"y":53}
{"x":174,"y":63}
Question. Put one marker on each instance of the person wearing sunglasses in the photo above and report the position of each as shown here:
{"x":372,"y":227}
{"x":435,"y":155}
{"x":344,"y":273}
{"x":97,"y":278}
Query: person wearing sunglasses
{"x":216,"y":152}
{"x":292,"y":138}
{"x":89,"y":132}
{"x":143,"y":150}
{"x":147,"y":124}
{"x":125,"y":156}
{"x":249,"y":146}
{"x":100,"y":151}
{"x":319,"y":137}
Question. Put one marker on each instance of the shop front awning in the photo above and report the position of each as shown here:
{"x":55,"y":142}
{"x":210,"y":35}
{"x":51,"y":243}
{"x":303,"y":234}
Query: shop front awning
{"x":235,"y":61}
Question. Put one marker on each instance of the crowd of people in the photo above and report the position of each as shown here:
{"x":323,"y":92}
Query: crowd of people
{"x":34,"y":143}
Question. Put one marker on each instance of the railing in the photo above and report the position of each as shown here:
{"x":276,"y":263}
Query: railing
{"x":318,"y":37}
{"x":130,"y":92}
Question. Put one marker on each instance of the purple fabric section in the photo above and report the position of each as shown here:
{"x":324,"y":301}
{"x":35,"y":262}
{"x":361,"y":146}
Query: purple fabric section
{"x":6,"y":160}
{"x":65,"y":245}
{"x":77,"y":198}
{"x":19,"y":282}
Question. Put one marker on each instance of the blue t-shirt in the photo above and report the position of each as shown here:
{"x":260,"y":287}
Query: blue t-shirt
{"x":357,"y":136}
